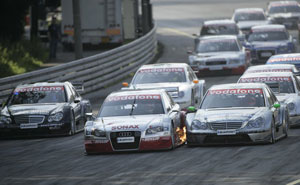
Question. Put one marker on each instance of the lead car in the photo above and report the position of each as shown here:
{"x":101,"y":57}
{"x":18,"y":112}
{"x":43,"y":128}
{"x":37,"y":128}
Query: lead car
{"x":135,"y":120}
{"x":235,"y":114}
{"x":44,"y":108}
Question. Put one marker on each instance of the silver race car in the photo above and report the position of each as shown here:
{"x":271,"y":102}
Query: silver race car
{"x":135,"y":120}
{"x":272,"y":68}
{"x":178,"y":79}
{"x":285,"y":86}
{"x":219,"y":53}
{"x":237,"y":113}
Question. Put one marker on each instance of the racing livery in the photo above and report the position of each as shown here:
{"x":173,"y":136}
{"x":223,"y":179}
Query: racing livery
{"x":285,"y":86}
{"x":293,"y":58}
{"x":237,"y":113}
{"x":219,"y":53}
{"x":267,"y":40}
{"x":272,"y":68}
{"x":136,"y":120}
{"x":284,"y":12}
{"x":248,"y":17}
{"x":178,"y":79}
{"x":43,"y":108}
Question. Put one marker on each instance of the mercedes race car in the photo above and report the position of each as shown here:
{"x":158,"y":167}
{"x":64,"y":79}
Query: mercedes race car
{"x":136,"y":120}
{"x":285,"y":86}
{"x":178,"y":79}
{"x":219,"y":53}
{"x":267,"y":40}
{"x":248,"y":17}
{"x":284,"y":12}
{"x":293,"y":58}
{"x":272,"y":68}
{"x":42,"y":109}
{"x":235,"y":114}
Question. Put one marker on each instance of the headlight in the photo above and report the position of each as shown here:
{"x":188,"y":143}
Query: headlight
{"x":181,"y":94}
{"x":291,"y":106}
{"x":197,"y":125}
{"x":55,"y":117}
{"x":283,"y":48}
{"x":5,"y":120}
{"x":154,"y":129}
{"x":234,"y":61}
{"x":256,"y":123}
{"x":98,"y":133}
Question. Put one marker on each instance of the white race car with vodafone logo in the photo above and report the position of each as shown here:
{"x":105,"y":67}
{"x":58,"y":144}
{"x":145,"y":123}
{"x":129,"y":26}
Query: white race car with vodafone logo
{"x":135,"y":120}
{"x":285,"y":86}
{"x":178,"y":79}
{"x":237,"y":113}
{"x":273,"y":68}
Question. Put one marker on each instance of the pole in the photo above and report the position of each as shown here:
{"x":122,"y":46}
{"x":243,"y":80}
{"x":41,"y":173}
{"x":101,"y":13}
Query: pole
{"x":77,"y":29}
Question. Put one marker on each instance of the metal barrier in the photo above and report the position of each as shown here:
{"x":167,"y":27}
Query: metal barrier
{"x":96,"y":71}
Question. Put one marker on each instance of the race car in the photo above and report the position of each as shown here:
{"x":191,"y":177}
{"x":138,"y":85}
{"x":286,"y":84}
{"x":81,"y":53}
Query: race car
{"x":178,"y":79}
{"x":237,"y":114}
{"x":221,"y":27}
{"x":267,"y":40}
{"x":248,"y":17}
{"x":285,"y":86}
{"x":136,"y":120}
{"x":219,"y":53}
{"x":44,"y":108}
{"x":273,"y":68}
{"x":293,"y":58}
{"x":284,"y":12}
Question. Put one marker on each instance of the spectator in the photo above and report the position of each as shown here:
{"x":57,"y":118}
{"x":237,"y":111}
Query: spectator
{"x":54,"y":36}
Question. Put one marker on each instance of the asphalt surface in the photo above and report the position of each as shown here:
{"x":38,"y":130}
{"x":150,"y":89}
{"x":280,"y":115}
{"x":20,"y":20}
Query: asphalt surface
{"x":61,"y":160}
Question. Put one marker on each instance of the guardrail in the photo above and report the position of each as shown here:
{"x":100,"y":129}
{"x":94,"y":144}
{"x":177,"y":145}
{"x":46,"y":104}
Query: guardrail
{"x":96,"y":71}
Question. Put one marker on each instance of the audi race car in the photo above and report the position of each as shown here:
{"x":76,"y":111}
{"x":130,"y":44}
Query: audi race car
{"x":219,"y":53}
{"x":248,"y":17}
{"x":272,"y":68}
{"x":293,"y":58}
{"x":43,"y":109}
{"x":267,"y":40}
{"x":178,"y":79}
{"x":221,"y":27}
{"x":136,"y":120}
{"x":285,"y":86}
{"x":284,"y":12}
{"x":236,"y":114}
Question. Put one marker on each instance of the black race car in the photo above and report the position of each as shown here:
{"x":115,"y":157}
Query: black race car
{"x":44,"y":109}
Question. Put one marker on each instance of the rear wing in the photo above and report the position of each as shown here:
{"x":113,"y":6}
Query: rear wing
{"x":78,"y":85}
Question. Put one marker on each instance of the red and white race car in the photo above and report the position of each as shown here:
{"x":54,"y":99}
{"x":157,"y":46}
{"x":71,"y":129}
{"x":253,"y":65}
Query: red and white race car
{"x":136,"y":120}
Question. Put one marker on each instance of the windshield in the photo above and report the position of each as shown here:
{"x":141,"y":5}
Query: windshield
{"x":284,"y":9}
{"x":229,"y":29}
{"x":160,"y":75}
{"x":268,"y":36}
{"x":215,"y":45}
{"x":281,"y":87}
{"x":225,"y":98}
{"x":131,"y":105}
{"x":248,"y":16}
{"x":31,"y":95}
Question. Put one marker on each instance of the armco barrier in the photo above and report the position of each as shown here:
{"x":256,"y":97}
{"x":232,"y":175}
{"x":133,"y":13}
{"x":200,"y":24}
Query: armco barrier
{"x":96,"y":71}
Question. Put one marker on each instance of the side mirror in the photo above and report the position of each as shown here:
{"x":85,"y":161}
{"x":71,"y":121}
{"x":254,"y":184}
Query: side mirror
{"x":125,"y":84}
{"x":276,"y":105}
{"x":191,"y":109}
{"x":195,"y":81}
{"x":77,"y":100}
{"x":89,"y":116}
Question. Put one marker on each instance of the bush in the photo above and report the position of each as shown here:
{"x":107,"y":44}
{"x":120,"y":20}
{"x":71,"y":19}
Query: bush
{"x":21,"y":57}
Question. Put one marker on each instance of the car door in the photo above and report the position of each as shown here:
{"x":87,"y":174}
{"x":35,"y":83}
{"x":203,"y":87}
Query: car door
{"x":74,"y":102}
{"x":272,"y":100}
{"x":172,"y":111}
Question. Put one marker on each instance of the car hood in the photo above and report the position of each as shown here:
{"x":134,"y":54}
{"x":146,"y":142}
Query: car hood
{"x":264,"y":44}
{"x":249,"y":24}
{"x":285,"y":15}
{"x":218,"y":55}
{"x":227,"y":114}
{"x":37,"y":109}
{"x":130,"y":123}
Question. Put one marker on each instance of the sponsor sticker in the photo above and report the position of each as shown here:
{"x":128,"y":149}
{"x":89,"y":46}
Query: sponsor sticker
{"x":132,"y":97}
{"x":125,"y":139}
{"x":226,"y":132}
{"x":287,"y":59}
{"x":155,"y":70}
{"x":270,"y":70}
{"x":28,"y":125}
{"x":39,"y":89}
{"x":268,"y":30}
{"x":235,"y":91}
{"x":217,"y":40}
{"x":124,"y":127}
{"x":266,"y":79}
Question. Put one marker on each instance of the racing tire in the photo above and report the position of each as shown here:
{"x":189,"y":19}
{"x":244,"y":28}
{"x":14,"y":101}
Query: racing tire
{"x":72,"y":130}
{"x":272,"y":139}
